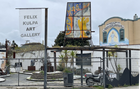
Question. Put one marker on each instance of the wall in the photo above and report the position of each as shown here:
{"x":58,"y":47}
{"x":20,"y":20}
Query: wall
{"x":95,"y":59}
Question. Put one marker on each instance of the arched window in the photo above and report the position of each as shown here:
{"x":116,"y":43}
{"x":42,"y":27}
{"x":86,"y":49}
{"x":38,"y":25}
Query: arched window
{"x":121,"y":34}
{"x":104,"y":37}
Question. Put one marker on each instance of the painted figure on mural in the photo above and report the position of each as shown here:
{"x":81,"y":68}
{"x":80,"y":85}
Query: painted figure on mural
{"x":112,"y":37}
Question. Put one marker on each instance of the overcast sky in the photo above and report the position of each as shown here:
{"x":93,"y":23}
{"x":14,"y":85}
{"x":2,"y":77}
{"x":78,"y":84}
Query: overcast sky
{"x":101,"y":10}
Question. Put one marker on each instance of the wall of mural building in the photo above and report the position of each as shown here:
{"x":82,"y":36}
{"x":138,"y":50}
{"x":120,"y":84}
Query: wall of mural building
{"x":119,"y":31}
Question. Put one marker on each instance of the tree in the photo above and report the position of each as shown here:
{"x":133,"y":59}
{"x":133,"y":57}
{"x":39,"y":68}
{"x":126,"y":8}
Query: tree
{"x":64,"y":56}
{"x":115,"y":67}
{"x":59,"y":41}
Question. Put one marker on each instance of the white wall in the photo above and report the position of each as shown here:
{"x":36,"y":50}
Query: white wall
{"x":94,"y":64}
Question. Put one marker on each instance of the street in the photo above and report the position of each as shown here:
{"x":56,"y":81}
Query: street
{"x":13,"y":80}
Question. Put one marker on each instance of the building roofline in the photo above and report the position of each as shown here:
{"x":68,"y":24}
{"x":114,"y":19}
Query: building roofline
{"x":118,"y":18}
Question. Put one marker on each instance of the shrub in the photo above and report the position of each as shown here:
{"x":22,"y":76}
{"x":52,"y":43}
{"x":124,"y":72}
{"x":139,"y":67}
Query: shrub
{"x":42,"y":72}
{"x":110,"y":86}
{"x":60,"y":67}
{"x":125,"y":85}
{"x":66,"y":70}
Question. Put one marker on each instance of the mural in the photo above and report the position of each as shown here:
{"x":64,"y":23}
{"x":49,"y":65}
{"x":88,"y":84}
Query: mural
{"x":3,"y":62}
{"x":113,"y":37}
{"x":78,"y":17}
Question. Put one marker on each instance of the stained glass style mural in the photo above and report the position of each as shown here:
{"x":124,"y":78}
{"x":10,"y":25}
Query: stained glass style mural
{"x":78,"y":20}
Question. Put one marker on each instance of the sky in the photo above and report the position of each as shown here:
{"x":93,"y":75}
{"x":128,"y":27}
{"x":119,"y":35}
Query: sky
{"x":101,"y":10}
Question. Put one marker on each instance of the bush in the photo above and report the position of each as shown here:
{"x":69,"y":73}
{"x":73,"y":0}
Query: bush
{"x":42,"y":72}
{"x":60,"y":67}
{"x":125,"y":85}
{"x":110,"y":86}
{"x":100,"y":87}
{"x":67,"y":71}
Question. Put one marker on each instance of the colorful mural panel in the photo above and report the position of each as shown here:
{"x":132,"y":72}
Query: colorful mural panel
{"x":78,"y":23}
{"x":69,"y":27}
{"x":70,"y":9}
{"x":87,"y":9}
{"x":77,"y":9}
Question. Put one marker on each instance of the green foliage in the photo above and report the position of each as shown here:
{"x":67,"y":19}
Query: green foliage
{"x":60,"y":67}
{"x":66,"y":70}
{"x":137,"y":84}
{"x":64,"y":56}
{"x":100,"y":87}
{"x":119,"y":68}
{"x":59,"y":41}
{"x":33,"y":88}
{"x":42,"y":72}
{"x":113,"y":53}
{"x":125,"y":85}
{"x":109,"y":54}
{"x":110,"y":86}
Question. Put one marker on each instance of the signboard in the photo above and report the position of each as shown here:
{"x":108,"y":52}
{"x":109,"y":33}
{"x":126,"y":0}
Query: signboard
{"x":86,"y":59}
{"x":78,"y":20}
{"x":30,"y":24}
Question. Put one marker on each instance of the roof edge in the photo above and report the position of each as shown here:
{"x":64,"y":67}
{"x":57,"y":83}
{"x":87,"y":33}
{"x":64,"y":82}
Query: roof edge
{"x":118,"y":18}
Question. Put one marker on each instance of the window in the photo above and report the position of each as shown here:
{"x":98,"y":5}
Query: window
{"x":121,"y":34}
{"x":86,"y":59}
{"x":104,"y":37}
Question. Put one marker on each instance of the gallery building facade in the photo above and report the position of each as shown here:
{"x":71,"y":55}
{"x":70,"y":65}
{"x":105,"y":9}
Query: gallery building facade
{"x":119,"y":31}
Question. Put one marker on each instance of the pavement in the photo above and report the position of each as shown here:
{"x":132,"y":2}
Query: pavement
{"x":58,"y":85}
{"x":2,"y":77}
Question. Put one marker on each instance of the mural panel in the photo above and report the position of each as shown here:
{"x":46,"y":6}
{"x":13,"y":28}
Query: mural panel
{"x":70,"y":9}
{"x":69,"y":27}
{"x":78,"y":23}
{"x":78,"y":9}
{"x":87,"y":9}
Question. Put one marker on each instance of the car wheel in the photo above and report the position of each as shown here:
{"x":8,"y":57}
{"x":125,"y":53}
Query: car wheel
{"x":90,"y":82}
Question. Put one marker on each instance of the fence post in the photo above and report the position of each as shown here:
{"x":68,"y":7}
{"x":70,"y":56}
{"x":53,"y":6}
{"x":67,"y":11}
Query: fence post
{"x":45,"y":54}
{"x":81,"y":67}
{"x":107,"y":58}
{"x":18,"y":70}
{"x":104,"y":68}
{"x":126,"y":59}
{"x":130,"y":66}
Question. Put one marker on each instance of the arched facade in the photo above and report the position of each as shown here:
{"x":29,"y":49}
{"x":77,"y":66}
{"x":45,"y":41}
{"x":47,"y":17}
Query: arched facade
{"x":119,"y":31}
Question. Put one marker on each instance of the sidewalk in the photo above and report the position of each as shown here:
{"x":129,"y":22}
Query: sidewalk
{"x":59,"y":87}
{"x":130,"y":87}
